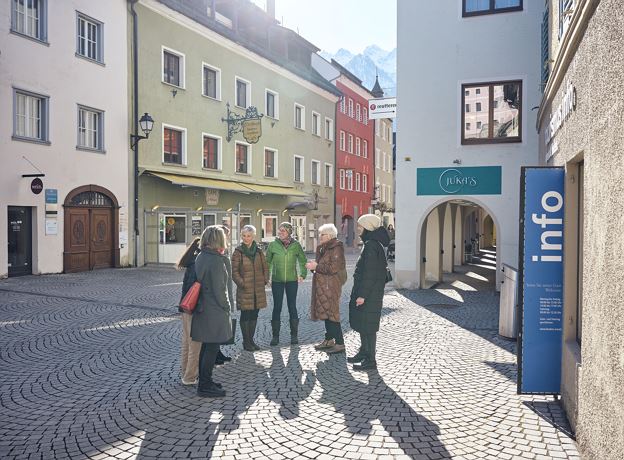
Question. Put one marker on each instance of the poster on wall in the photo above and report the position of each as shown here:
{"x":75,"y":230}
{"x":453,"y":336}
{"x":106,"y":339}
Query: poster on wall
{"x":540,"y":284}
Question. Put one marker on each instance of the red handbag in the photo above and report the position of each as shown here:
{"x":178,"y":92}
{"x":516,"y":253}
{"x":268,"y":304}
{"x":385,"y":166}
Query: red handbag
{"x":189,"y":302}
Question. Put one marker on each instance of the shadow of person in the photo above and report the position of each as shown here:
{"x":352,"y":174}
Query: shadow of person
{"x":363,"y":403}
{"x":288,"y":384}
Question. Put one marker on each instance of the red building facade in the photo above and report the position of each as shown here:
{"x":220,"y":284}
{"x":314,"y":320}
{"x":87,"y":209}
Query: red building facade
{"x":355,"y":161}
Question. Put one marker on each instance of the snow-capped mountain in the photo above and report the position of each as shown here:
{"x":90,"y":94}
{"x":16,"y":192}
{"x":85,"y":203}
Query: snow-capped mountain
{"x":365,"y":65}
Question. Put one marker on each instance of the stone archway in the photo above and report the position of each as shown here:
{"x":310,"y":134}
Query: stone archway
{"x":91,"y":229}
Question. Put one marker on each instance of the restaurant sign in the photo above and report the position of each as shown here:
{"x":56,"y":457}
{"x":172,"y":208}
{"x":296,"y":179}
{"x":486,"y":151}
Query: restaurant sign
{"x":480,"y":180}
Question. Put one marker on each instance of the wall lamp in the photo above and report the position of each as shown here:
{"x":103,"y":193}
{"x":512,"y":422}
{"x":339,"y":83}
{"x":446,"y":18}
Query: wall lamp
{"x":258,"y":212}
{"x":155,"y":207}
{"x":147,"y":123}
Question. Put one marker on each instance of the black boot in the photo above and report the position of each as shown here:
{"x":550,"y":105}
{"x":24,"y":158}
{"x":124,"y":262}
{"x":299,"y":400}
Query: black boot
{"x":207,"y":387}
{"x":252,"y":332}
{"x":275,"y":325}
{"x":294,"y":331}
{"x":221,"y":358}
{"x":360,"y":355}
{"x":247,"y":344}
{"x":369,"y":361}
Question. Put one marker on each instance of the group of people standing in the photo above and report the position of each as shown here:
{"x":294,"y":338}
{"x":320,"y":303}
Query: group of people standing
{"x":282,"y":268}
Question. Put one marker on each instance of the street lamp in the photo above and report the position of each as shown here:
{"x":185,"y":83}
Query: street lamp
{"x":146,"y":123}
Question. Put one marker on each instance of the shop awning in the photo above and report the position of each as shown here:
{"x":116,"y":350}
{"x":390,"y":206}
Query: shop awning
{"x":232,"y":186}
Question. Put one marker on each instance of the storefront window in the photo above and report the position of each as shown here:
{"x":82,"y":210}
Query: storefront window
{"x":172,"y":229}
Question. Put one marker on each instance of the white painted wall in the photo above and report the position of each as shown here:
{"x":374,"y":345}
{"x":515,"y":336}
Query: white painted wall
{"x":54,"y":70}
{"x":438,"y":50}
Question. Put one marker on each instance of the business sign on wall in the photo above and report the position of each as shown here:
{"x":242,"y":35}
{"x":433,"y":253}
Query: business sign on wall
{"x":382,"y":107}
{"x":540,"y":280}
{"x":482,"y":180}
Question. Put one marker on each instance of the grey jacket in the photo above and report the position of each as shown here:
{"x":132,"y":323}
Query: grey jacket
{"x":211,"y":318}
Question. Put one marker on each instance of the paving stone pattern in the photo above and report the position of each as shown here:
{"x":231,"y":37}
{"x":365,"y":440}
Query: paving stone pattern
{"x":89,"y":368}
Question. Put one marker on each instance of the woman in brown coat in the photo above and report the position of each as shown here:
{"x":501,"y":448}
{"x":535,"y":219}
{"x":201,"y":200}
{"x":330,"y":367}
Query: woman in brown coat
{"x":329,"y":275}
{"x":250,"y":272}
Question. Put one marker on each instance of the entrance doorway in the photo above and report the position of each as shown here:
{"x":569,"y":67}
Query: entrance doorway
{"x":20,"y":240}
{"x":91,"y":229}
{"x":299,"y":229}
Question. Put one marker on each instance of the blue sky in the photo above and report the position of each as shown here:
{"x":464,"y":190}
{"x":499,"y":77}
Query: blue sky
{"x":334,"y":24}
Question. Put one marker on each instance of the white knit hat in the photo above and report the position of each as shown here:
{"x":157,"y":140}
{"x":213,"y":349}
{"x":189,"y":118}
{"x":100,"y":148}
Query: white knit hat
{"x":370,"y":222}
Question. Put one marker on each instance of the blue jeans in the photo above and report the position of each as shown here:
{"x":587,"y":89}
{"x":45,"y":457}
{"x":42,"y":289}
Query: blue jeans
{"x":278,"y":289}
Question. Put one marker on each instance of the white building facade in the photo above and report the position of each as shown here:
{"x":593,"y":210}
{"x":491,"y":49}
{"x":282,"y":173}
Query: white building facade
{"x":63,"y":136}
{"x":464,"y":129}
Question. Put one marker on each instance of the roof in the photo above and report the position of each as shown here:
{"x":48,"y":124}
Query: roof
{"x":377,"y":91}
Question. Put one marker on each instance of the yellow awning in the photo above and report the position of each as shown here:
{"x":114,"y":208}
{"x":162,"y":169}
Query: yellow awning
{"x":232,"y":186}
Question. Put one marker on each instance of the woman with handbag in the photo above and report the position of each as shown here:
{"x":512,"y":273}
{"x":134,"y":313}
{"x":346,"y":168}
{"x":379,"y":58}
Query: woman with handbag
{"x":330,"y":274}
{"x":369,"y":280}
{"x":211,"y":323}
{"x":250,"y":273}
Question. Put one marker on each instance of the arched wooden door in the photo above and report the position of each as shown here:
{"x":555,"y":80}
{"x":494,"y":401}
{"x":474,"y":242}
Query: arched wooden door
{"x":91,"y":223}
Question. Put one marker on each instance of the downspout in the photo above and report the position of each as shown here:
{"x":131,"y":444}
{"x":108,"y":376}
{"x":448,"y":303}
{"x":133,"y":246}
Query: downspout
{"x":135,"y":115}
{"x":336,"y":175}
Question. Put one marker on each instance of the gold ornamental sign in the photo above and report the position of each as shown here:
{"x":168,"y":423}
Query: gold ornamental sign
{"x":252,"y":130}
{"x":250,"y":124}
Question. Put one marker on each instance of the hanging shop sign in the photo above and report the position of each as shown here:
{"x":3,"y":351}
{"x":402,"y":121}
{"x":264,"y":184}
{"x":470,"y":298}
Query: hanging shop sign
{"x":479,"y":180}
{"x":540,"y":280}
{"x":250,"y":124}
{"x":36,"y":186}
{"x":382,"y":107}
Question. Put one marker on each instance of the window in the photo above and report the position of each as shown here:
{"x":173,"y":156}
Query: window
{"x":365,"y":182}
{"x":579,"y":251}
{"x":478,"y":91}
{"x":545,"y":46}
{"x":316,"y":172}
{"x":270,"y":163}
{"x":243,"y":160}
{"x":383,"y":161}
{"x":29,"y":17}
{"x":271,"y":104}
{"x":478,"y":7}
{"x":358,"y":147}
{"x":173,"y":67}
{"x":467,"y":108}
{"x":30,"y":116}
{"x":377,"y":158}
{"x":243,"y":92}
{"x":316,"y":124}
{"x":329,"y":129}
{"x":90,"y":128}
{"x":358,"y":112}
{"x":342,"y":179}
{"x":351,"y":107}
{"x":343,"y":108}
{"x":173,"y":229}
{"x":329,"y":175}
{"x":299,"y":116}
{"x":212,"y":152}
{"x":502,"y":122}
{"x":89,"y":38}
{"x":173,"y":145}
{"x":377,"y":127}
{"x":342,"y":141}
{"x":478,"y":107}
{"x":467,"y":92}
{"x":358,"y":181}
{"x":365,"y":149}
{"x":212,"y":81}
{"x":365,"y":116}
{"x":269,"y":227}
{"x":298,"y":176}
{"x":350,"y":150}
{"x":349,"y":179}
{"x":566,"y":9}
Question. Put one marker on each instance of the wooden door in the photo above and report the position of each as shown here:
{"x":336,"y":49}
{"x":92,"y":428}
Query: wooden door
{"x":77,"y":240}
{"x":101,"y":249}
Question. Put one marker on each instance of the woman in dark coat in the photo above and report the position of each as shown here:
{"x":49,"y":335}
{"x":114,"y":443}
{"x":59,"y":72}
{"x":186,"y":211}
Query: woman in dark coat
{"x":211,"y":318}
{"x":250,"y":272}
{"x":369,"y":280}
{"x":329,"y":275}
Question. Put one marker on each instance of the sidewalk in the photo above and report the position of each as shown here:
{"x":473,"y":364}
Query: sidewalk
{"x":89,"y":367}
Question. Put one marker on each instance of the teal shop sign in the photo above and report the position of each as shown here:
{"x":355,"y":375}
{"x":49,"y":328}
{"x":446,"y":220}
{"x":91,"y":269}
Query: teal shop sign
{"x":482,"y":180}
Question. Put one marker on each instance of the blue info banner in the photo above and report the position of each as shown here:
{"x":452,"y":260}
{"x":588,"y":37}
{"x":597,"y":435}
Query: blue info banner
{"x":541,"y":280}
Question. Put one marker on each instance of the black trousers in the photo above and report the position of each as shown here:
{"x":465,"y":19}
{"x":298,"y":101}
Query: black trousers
{"x":249,"y":315}
{"x":278,"y":289}
{"x":207,"y":357}
{"x":333,"y":331}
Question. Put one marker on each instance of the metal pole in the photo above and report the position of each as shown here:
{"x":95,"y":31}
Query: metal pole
{"x":135,"y":60}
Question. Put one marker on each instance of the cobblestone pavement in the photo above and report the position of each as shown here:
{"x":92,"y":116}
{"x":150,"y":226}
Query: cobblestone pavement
{"x":89,"y":367}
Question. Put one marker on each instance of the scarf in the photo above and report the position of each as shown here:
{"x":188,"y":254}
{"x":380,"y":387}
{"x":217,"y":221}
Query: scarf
{"x":249,"y":251}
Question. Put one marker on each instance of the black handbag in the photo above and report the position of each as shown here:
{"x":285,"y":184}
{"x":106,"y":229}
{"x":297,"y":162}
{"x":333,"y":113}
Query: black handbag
{"x":388,"y":272}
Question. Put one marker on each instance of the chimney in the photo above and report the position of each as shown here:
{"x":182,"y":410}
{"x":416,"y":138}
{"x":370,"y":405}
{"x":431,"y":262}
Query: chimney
{"x":270,"y":8}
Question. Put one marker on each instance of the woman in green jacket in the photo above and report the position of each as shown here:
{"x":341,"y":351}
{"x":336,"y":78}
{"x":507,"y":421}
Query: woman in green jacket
{"x":282,"y":256}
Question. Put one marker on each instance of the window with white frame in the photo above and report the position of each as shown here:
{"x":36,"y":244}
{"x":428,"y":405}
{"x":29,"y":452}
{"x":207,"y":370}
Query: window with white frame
{"x":350,"y":149}
{"x":358,"y":146}
{"x":351,"y":107}
{"x":173,"y":67}
{"x":270,"y":163}
{"x":271,"y":104}
{"x":566,"y":9}
{"x":377,"y":157}
{"x":299,"y":116}
{"x":365,"y":149}
{"x":89,"y":41}
{"x":349,"y":179}
{"x":358,"y":112}
{"x":212,"y":152}
{"x":343,"y":107}
{"x":269,"y":227}
{"x":329,"y":129}
{"x":242,"y":90}
{"x":342,"y":179}
{"x":365,"y":116}
{"x":29,"y":17}
{"x":174,"y":145}
{"x":90,"y":128}
{"x":30,"y":116}
{"x":383,"y":161}
{"x":342,"y":141}
{"x":316,"y":172}
{"x":358,"y":181}
{"x":329,"y":175}
{"x":316,"y":124}
{"x":298,"y":169}
{"x":383,"y":193}
{"x":377,"y":191}
{"x":365,"y":182}
{"x":377,"y":127}
{"x":212,"y":81}
{"x":243,"y":158}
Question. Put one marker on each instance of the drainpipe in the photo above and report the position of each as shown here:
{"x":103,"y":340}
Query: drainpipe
{"x":135,"y":115}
